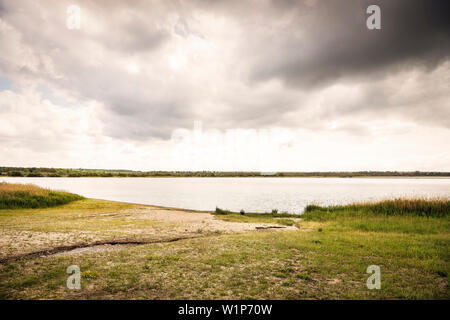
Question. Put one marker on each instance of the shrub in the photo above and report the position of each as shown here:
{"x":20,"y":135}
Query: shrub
{"x":220,"y":211}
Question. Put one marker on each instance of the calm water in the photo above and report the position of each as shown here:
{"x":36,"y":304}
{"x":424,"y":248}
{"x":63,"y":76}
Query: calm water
{"x":250,"y":194}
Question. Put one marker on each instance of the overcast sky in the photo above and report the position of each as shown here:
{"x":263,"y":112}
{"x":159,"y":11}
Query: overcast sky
{"x":225,"y":85}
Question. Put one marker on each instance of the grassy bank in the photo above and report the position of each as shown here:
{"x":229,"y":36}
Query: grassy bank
{"x":396,"y":207}
{"x":19,"y":196}
{"x":325,"y":258}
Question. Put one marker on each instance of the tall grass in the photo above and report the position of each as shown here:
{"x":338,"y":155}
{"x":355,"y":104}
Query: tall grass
{"x":16,"y":196}
{"x":396,"y":207}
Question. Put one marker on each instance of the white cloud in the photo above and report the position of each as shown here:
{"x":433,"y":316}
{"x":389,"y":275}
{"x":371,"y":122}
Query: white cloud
{"x":116,"y":89}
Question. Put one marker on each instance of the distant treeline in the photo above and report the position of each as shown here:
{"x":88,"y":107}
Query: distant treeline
{"x":61,"y":172}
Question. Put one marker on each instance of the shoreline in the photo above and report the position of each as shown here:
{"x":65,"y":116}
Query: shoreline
{"x":246,"y":177}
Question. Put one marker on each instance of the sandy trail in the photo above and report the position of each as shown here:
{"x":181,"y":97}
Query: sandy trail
{"x":140,"y":224}
{"x":193,"y":220}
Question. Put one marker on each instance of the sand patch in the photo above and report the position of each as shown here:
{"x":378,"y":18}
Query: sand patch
{"x":193,"y":221}
{"x":140,"y":224}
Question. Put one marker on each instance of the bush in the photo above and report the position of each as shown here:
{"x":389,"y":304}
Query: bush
{"x":220,"y":211}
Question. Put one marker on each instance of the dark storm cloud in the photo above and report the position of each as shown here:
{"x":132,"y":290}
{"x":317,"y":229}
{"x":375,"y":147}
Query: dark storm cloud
{"x":147,"y":62}
{"x":338,"y":44}
{"x":136,"y":34}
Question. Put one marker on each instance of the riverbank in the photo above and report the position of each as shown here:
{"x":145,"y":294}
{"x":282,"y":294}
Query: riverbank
{"x":130,"y":251}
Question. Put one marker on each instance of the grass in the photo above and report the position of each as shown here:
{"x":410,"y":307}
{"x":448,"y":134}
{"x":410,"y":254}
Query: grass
{"x":395,"y":207}
{"x":416,"y":216}
{"x":326,"y":258}
{"x":19,"y":196}
{"x":285,"y":219}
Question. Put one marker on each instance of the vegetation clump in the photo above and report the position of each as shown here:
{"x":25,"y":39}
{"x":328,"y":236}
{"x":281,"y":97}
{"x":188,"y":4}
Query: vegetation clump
{"x":17,"y":196}
{"x":396,"y":207}
{"x":221,"y":211}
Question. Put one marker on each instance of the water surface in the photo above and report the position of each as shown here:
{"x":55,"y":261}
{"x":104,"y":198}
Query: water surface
{"x":250,"y":194}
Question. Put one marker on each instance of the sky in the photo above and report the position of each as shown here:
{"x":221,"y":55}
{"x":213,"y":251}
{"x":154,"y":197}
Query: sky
{"x":225,"y":85}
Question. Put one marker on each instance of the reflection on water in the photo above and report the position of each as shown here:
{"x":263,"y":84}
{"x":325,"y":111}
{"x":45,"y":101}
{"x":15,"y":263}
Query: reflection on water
{"x":250,"y":194}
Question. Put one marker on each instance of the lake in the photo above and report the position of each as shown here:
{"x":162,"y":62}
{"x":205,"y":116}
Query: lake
{"x":250,"y":194}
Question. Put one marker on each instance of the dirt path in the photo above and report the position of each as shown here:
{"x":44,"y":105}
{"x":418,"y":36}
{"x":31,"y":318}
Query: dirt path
{"x":100,"y":230}
{"x":190,"y":220}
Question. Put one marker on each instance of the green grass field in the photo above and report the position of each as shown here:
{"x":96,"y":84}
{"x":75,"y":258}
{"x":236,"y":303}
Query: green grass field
{"x":326,"y":257}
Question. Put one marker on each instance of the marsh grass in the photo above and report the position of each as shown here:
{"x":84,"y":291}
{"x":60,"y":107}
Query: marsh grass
{"x":18,"y":196}
{"x":396,"y":207}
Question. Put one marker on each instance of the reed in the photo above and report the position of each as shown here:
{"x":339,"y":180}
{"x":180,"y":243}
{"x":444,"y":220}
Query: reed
{"x":434,"y":207}
{"x":17,"y":196}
